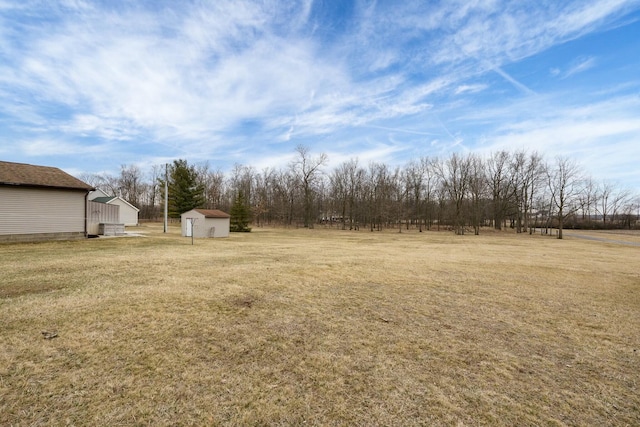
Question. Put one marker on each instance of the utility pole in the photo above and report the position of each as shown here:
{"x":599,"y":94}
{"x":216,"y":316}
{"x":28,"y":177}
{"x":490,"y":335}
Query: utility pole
{"x":166,"y":196}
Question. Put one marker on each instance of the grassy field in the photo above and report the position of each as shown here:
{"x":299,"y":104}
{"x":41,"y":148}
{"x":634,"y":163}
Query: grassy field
{"x":321,"y":327}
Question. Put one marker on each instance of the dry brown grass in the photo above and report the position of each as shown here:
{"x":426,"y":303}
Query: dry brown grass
{"x":323,"y":327}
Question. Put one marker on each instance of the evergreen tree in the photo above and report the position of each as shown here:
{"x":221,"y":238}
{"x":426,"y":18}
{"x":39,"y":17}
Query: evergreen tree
{"x":240,"y":214}
{"x":185,"y":191}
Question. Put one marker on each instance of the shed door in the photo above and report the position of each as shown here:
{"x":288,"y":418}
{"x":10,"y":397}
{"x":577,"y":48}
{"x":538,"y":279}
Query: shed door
{"x":189,"y":225}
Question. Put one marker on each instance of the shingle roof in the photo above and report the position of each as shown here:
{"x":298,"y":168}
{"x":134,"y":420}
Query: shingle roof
{"x":38,"y":176}
{"x":213,"y":213}
{"x":104,"y":199}
{"x":109,"y":199}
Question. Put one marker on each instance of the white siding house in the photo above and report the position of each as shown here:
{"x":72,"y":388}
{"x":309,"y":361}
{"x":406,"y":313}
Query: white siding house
{"x":41,"y":203}
{"x":205,"y":223}
{"x":128,"y":212}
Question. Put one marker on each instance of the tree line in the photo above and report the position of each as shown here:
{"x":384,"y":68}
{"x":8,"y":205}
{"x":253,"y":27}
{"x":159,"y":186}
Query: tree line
{"x":462,"y":192}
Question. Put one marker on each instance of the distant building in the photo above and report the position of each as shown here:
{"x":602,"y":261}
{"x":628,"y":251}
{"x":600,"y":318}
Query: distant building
{"x":205,"y":223}
{"x":41,"y":203}
{"x":128,"y":212}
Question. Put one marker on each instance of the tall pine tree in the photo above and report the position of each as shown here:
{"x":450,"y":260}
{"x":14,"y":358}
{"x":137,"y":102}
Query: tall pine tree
{"x":185,"y":190}
{"x":240,"y":214}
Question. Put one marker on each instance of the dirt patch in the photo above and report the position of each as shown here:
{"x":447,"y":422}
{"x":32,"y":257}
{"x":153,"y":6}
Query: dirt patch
{"x":243,"y":301}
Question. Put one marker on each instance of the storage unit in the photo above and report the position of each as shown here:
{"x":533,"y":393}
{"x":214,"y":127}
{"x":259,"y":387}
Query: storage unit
{"x":205,"y":223}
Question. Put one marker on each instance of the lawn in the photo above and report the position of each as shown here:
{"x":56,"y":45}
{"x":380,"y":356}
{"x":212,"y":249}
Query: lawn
{"x":321,"y":327}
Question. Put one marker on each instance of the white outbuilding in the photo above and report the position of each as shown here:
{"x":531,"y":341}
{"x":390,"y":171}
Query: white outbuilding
{"x":205,"y":223}
{"x":128,"y":213}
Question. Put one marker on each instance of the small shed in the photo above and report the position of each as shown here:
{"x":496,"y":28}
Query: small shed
{"x":205,"y":223}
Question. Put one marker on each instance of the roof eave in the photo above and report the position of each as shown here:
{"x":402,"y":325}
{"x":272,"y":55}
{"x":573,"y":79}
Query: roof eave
{"x":57,"y":187}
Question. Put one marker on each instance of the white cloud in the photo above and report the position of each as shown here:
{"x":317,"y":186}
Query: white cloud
{"x":86,"y":125}
{"x":203,"y":69}
{"x":474,"y":88}
{"x":590,"y":133}
{"x":577,"y":66}
{"x":582,"y":64}
{"x":582,"y":16}
{"x":198,"y":78}
{"x":496,"y":33}
{"x":49,"y":147}
{"x":191,"y":84}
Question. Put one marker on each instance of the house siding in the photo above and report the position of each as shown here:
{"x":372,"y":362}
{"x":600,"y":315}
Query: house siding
{"x":220,"y":226}
{"x":128,"y":215}
{"x":211,"y":227}
{"x":51,"y":213}
{"x":101,"y":213}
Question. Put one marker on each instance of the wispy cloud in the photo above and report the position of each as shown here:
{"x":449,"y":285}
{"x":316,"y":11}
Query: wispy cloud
{"x":49,"y":147}
{"x":470,"y":88}
{"x":223,"y":63}
{"x":588,"y":132}
{"x":582,"y":64}
{"x":157,"y":79}
{"x":513,"y":81}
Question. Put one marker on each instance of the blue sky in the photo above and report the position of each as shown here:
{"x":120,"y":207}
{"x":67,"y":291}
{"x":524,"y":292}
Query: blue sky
{"x":88,"y":86}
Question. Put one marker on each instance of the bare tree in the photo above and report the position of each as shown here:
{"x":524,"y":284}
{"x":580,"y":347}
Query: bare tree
{"x":517,"y":171}
{"x":414,"y":176}
{"x":563,"y":180}
{"x":307,"y":170}
{"x":150,"y":205}
{"x":356,"y":176}
{"x":346,"y":187}
{"x":285,"y":194}
{"x":631,"y":211}
{"x":92,"y":179}
{"x":339,"y":185}
{"x":399,"y":191}
{"x":588,"y":199}
{"x":477,"y":190}
{"x":430,"y":183}
{"x":321,"y":197}
{"x":130,"y":184}
{"x":533,"y":182}
{"x":454,"y":173}
{"x":215,"y":189}
{"x":103,"y":181}
{"x":441,"y":195}
{"x":263,"y":196}
{"x":379,"y":195}
{"x":526,"y":180}
{"x":241,"y":180}
{"x":604,"y":201}
{"x":610,"y":199}
{"x":500,"y":185}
